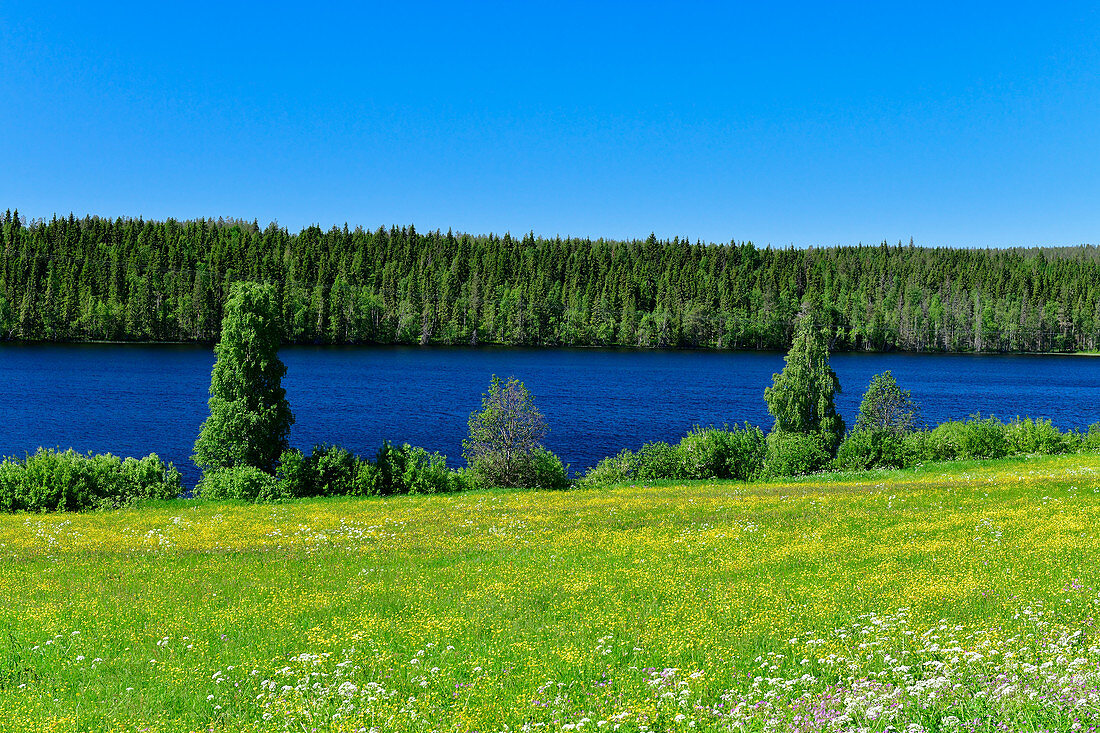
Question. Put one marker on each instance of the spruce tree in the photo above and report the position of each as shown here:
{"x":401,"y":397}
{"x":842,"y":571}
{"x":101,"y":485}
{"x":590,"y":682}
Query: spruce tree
{"x":250,"y":418}
{"x":801,"y":397}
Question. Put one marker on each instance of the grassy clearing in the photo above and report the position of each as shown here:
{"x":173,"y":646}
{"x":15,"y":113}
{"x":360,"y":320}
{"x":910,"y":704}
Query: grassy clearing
{"x":951,"y":597}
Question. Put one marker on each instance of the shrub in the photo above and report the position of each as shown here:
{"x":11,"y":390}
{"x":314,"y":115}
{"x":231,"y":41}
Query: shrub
{"x":866,"y":449}
{"x":916,"y":447}
{"x":366,"y":481}
{"x":984,"y":439}
{"x":426,"y":473}
{"x":334,"y":471}
{"x":329,"y":471}
{"x":69,"y":481}
{"x":389,"y":470}
{"x":246,"y":483}
{"x":547,"y":471}
{"x":975,"y":438}
{"x":612,"y":470}
{"x":1036,"y":436}
{"x":466,"y":480}
{"x":148,"y":478}
{"x":295,"y":473}
{"x":540,"y":469}
{"x":1090,"y":440}
{"x":656,"y":462}
{"x":409,"y":470}
{"x":703,"y":453}
{"x":397,"y":469}
{"x":794,"y":454}
{"x":945,"y":441}
{"x":706,"y":453}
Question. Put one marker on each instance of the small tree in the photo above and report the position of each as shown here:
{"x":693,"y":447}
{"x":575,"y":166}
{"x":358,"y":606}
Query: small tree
{"x":504,"y":444}
{"x":887,"y":408}
{"x":250,"y":419}
{"x":801,"y":397}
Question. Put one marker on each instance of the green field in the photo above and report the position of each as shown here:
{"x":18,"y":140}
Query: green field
{"x":953,"y":597}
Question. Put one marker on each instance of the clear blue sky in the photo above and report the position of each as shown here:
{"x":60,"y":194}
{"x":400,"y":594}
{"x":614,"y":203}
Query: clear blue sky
{"x":804,"y":124}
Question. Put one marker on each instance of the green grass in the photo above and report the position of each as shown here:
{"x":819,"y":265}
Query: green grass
{"x":949,"y":597}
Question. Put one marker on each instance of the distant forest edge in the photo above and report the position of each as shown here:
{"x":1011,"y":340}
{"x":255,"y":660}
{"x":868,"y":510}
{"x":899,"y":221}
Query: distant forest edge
{"x":72,"y":279}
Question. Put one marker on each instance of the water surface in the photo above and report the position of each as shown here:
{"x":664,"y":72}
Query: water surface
{"x":137,"y":399}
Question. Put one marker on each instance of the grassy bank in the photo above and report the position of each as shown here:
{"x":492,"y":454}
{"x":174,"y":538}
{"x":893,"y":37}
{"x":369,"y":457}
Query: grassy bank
{"x":951,"y":597}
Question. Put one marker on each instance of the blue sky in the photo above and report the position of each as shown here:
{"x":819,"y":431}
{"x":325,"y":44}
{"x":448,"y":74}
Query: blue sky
{"x":805,"y":124}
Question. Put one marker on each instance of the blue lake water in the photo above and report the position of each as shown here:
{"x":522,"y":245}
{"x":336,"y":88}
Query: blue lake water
{"x":135,"y":399}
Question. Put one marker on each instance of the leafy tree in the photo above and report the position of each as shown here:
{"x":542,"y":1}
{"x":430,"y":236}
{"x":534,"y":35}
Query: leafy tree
{"x":886,"y":407}
{"x":801,"y":397}
{"x":250,"y":419}
{"x":504,"y":445}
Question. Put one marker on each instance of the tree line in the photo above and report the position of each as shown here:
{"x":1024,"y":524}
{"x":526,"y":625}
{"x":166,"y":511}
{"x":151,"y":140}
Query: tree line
{"x":92,"y":278}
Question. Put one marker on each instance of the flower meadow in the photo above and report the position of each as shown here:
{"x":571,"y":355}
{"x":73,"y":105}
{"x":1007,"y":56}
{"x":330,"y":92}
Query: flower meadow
{"x":951,"y":597}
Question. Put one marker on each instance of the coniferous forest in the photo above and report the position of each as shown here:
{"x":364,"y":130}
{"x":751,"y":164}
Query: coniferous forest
{"x":72,"y":279}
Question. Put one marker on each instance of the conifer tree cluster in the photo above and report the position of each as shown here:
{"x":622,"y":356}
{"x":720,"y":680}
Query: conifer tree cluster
{"x":70,"y":279}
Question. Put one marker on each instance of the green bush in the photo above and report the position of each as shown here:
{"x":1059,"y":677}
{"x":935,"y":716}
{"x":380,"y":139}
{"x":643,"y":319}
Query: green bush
{"x":466,"y":480}
{"x":1090,"y":440}
{"x":945,"y":441}
{"x":148,"y":478}
{"x":984,"y":439}
{"x":706,"y":453}
{"x":426,"y":473}
{"x":295,"y":473}
{"x":407,"y":469}
{"x":866,"y":449}
{"x":916,"y":447}
{"x":367,"y":481}
{"x":611,"y":470}
{"x":245,"y":483}
{"x":1032,"y":437}
{"x":69,"y":481}
{"x":398,"y":469}
{"x":974,"y":438}
{"x":1036,"y":437}
{"x":656,"y":461}
{"x":547,"y":471}
{"x":389,"y":473}
{"x":328,"y":471}
{"x":335,"y":471}
{"x":795,"y":454}
{"x":540,"y":469}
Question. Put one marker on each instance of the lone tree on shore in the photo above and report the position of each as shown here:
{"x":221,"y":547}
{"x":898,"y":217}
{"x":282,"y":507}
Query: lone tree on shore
{"x":505,"y":439}
{"x":886,"y":407}
{"x":801,"y":397}
{"x":250,"y":418}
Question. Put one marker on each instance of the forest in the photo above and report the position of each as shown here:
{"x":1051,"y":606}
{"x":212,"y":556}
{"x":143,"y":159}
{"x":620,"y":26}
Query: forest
{"x":124,"y":279}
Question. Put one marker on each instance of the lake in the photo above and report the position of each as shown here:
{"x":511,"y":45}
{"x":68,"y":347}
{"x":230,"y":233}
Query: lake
{"x":137,"y":399}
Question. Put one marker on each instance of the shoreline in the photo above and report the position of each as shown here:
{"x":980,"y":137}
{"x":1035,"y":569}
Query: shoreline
{"x":543,"y":347}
